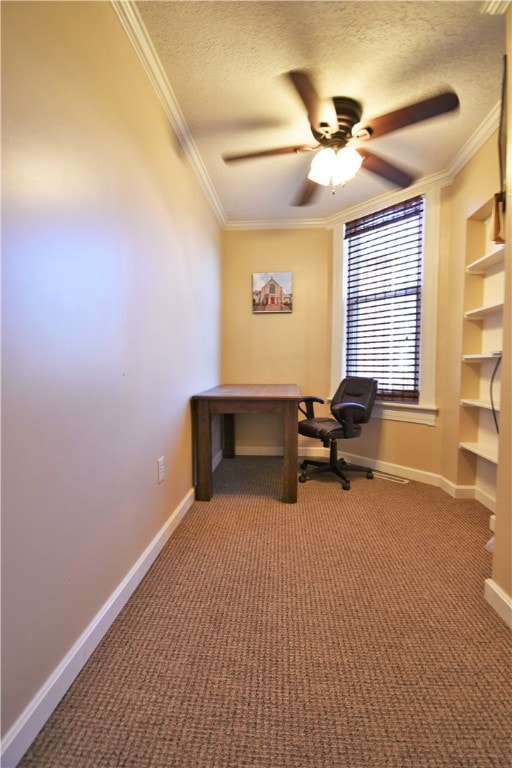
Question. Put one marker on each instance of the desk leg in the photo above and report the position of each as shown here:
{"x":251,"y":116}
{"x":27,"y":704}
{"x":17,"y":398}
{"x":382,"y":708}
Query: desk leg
{"x":203,"y":451}
{"x":291,"y":453}
{"x":228,"y":435}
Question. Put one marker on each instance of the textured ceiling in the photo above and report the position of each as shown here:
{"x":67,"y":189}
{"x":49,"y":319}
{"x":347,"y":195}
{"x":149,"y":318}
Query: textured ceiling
{"x":226,"y":63}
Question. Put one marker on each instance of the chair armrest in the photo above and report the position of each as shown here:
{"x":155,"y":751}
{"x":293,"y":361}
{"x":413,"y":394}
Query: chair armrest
{"x":308,"y":408}
{"x":345,"y":412}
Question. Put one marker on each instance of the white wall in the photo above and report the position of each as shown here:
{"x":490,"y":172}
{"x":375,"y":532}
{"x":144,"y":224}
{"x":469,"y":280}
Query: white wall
{"x":110,"y":321}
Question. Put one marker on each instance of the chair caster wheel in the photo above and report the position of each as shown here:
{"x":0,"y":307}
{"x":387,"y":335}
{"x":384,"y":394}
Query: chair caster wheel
{"x":302,"y":478}
{"x":369,"y":475}
{"x":345,"y":486}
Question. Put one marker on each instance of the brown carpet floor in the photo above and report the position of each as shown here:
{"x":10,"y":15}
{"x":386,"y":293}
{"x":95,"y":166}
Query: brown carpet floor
{"x":348,"y":630}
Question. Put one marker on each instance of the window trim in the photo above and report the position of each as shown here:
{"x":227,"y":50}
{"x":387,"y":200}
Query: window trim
{"x":425,"y":411}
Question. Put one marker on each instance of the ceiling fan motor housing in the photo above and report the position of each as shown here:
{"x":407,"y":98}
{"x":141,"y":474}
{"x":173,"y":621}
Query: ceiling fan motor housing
{"x":348,"y":112}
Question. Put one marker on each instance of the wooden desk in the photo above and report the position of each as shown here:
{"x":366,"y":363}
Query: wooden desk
{"x":230,"y":399}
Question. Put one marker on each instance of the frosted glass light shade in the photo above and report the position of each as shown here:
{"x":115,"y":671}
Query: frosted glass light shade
{"x":346,"y":165}
{"x":330,"y":167}
{"x":322,"y":165}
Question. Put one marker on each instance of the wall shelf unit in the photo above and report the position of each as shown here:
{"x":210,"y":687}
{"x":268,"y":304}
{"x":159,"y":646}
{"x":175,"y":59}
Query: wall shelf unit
{"x":482,"y":341}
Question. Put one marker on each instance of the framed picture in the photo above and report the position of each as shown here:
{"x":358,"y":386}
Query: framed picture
{"x":272,"y":293}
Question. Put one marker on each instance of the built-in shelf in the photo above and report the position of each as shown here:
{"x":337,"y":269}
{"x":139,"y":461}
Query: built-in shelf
{"x":482,"y":338}
{"x":481,"y":265}
{"x":484,"y":452}
{"x":480,"y":312}
{"x":476,"y":403}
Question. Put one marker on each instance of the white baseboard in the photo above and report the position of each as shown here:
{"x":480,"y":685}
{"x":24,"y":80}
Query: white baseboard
{"x":486,"y":499}
{"x":20,"y":736}
{"x":250,"y":450}
{"x":430,"y":478}
{"x":409,"y":473}
{"x":420,"y":476}
{"x":457,"y":491}
{"x":499,"y":600}
{"x":382,"y":466}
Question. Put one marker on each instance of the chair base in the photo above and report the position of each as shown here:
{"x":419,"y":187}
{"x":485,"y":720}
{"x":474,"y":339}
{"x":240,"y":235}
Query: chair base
{"x":338,"y":467}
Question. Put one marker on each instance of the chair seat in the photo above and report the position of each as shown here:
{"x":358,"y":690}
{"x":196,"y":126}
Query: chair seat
{"x":324,"y":428}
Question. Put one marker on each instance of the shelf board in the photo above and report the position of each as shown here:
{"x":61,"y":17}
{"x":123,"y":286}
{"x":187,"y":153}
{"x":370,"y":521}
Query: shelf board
{"x":481,"y":265}
{"x":477,"y":403}
{"x":484,"y":452}
{"x":480,"y":312}
{"x":480,"y":357}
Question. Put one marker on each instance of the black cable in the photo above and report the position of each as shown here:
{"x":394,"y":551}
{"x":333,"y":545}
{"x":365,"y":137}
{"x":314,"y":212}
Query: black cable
{"x":492,"y":399}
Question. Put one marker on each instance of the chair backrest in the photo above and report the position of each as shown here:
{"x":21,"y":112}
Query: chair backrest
{"x":357,"y":389}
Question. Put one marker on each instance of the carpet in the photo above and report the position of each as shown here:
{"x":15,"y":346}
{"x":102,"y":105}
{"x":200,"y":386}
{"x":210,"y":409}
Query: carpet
{"x":348,"y":630}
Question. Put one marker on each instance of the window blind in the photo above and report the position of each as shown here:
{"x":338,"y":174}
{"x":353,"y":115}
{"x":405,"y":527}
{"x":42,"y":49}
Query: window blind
{"x":383,"y":299}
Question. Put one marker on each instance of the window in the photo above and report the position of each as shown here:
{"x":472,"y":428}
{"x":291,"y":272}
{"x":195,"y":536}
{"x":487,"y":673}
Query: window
{"x":423,"y":411}
{"x":383,"y":299}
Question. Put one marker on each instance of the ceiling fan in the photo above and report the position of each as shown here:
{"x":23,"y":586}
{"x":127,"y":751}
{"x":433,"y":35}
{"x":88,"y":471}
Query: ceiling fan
{"x":336,"y":125}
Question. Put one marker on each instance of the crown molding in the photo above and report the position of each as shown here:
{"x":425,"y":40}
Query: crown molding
{"x":278,"y":224}
{"x":477,"y":140}
{"x":435,"y":181}
{"x":137,"y":34}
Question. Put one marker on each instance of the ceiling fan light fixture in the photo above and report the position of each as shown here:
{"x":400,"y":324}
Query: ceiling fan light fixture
{"x":333,"y":168}
{"x":322,"y":166}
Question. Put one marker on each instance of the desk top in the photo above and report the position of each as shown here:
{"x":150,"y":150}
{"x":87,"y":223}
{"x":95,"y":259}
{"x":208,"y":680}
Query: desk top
{"x":251,"y":392}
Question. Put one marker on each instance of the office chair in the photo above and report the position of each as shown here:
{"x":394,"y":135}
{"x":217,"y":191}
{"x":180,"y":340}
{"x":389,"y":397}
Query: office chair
{"x":351,"y":406}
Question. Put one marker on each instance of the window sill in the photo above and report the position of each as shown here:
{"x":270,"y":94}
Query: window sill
{"x":414,"y":414}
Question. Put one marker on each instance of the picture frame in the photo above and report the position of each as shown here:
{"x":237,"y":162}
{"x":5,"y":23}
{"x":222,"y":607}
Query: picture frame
{"x":272,"y":293}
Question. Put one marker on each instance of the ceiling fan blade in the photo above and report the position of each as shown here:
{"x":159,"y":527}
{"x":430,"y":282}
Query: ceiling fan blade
{"x":308,"y":191}
{"x":321,"y":112}
{"x":297,"y":149}
{"x":414,"y":113}
{"x":382,"y":168}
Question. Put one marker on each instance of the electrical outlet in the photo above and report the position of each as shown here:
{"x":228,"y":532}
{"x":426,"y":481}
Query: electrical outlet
{"x":161,"y":469}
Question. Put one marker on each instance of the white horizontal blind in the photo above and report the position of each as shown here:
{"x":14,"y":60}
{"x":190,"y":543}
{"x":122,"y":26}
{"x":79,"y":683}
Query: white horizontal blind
{"x":383,"y":301}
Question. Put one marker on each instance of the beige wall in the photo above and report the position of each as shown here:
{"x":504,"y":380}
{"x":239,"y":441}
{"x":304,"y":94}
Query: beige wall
{"x":297,"y":348}
{"x":269,"y":348}
{"x":111,"y":300}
